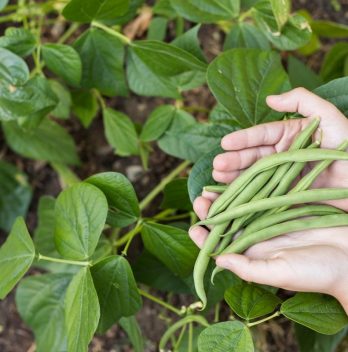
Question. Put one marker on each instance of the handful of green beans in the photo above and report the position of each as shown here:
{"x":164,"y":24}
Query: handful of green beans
{"x":256,"y":204}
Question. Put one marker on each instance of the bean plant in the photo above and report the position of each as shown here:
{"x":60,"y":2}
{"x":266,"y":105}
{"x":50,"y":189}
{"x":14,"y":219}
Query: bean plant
{"x":84,"y":281}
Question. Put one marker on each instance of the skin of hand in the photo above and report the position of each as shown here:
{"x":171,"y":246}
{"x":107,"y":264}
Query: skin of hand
{"x":307,"y":261}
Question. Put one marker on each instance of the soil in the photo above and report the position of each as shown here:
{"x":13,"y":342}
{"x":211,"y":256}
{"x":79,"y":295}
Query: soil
{"x":97,"y":156}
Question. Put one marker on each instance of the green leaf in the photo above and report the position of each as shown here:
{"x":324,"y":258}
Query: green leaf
{"x":86,"y":11}
{"x":250,"y":301}
{"x":318,"y":312}
{"x":245,"y":35}
{"x":281,"y":10}
{"x":80,"y":213}
{"x":33,"y":100}
{"x":189,"y":41}
{"x":49,"y":141}
{"x":184,"y":345}
{"x":164,"y":8}
{"x":117,"y":290}
{"x":207,"y":11}
{"x":336,"y":92}
{"x":176,"y":195}
{"x":219,"y":115}
{"x":18,"y":40}
{"x":120,"y":132}
{"x":64,"y":61}
{"x":13,"y":69}
{"x":201,"y":173}
{"x":131,"y":327}
{"x":158,"y":122}
{"x":226,"y":336}
{"x":85,"y":106}
{"x":301,"y":75}
{"x":134,"y":5}
{"x":102,"y":58}
{"x":157,"y":29}
{"x":334,"y":61}
{"x":328,"y":29}
{"x":82,"y":311}
{"x":295,"y":33}
{"x":15,"y":195}
{"x":161,"y":69}
{"x":3,"y":4}
{"x":62,"y":110}
{"x":191,"y":142}
{"x":16,"y":257}
{"x":122,"y":200}
{"x":172,"y":246}
{"x":241,"y":79}
{"x":40,"y":302}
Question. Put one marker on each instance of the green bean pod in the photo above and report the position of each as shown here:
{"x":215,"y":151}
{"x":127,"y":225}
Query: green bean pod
{"x":314,"y":195}
{"x":215,"y":188}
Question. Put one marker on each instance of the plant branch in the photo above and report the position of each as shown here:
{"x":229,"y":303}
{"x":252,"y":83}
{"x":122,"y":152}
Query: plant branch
{"x":276,"y":314}
{"x":122,"y":37}
{"x":63,"y":261}
{"x":131,"y":234}
{"x":68,"y":33}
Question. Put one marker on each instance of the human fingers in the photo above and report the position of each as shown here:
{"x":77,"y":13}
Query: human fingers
{"x":225,"y":177}
{"x":201,"y":207}
{"x":198,"y":235}
{"x":210,"y":195}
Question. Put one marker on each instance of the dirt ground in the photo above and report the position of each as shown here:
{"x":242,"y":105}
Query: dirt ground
{"x":97,"y":156}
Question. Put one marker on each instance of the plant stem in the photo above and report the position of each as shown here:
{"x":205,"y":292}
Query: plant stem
{"x":276,"y":314}
{"x":100,"y":99}
{"x":245,"y":15}
{"x":190,"y":338}
{"x":131,"y":234}
{"x":68,"y":33}
{"x":125,"y":238}
{"x":180,"y":26}
{"x":195,"y":108}
{"x":63,"y":261}
{"x":158,"y":189}
{"x":217,"y":313}
{"x":181,"y":335}
{"x":160,"y":302}
{"x":122,"y":37}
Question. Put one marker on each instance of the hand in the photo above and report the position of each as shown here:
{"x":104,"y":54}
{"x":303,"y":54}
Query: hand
{"x":309,"y":261}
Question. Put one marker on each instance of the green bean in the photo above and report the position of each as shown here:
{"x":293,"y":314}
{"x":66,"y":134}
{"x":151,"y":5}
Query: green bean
{"x":235,"y":187}
{"x":314,"y":195}
{"x":215,"y":188}
{"x":242,"y":244}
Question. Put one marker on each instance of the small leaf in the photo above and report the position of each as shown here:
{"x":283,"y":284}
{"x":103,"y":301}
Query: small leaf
{"x":328,"y":29}
{"x":157,"y":123}
{"x":64,"y":61}
{"x":102,"y":58}
{"x":49,"y":141}
{"x":80,"y":213}
{"x":62,"y":110}
{"x":157,"y":29}
{"x":85,"y":106}
{"x":132,"y":328}
{"x":243,"y":92}
{"x":117,"y":290}
{"x":15,"y":195}
{"x":201,"y":173}
{"x":250,"y":301}
{"x":40,"y":302}
{"x":16,"y":257}
{"x":18,"y":40}
{"x":318,"y":312}
{"x":122,"y":200}
{"x":120,"y":132}
{"x":176,"y":195}
{"x":334,"y":61}
{"x":281,"y":10}
{"x":82,"y":311}
{"x":86,"y":11}
{"x":172,"y":246}
{"x":160,"y":69}
{"x":13,"y":69}
{"x":226,"y":336}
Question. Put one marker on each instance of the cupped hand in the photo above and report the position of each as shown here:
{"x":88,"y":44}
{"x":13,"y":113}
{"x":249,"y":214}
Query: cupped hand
{"x":310,"y":261}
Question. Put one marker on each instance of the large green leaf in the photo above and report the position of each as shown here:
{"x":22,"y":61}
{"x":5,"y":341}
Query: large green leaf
{"x":85,"y":106}
{"x":132,"y":328}
{"x":241,"y":79}
{"x":245,"y":35}
{"x":334,"y":62}
{"x":117,"y":290}
{"x":250,"y":301}
{"x":335,"y":92}
{"x":16,"y":257}
{"x":161,"y":69}
{"x":226,"y":336}
{"x":191,"y":142}
{"x":86,"y":11}
{"x":318,"y":312}
{"x":120,"y":132}
{"x":281,"y":10}
{"x":172,"y":246}
{"x":176,"y":195}
{"x":329,"y":29}
{"x":102,"y":58}
{"x":15,"y":195}
{"x":49,"y":141}
{"x":294,"y":34}
{"x":219,"y":115}
{"x":18,"y":40}
{"x":62,"y":110}
{"x":64,"y":61}
{"x":82,"y":311}
{"x":80,"y":213}
{"x":207,"y":11}
{"x":201,"y":173}
{"x":13,"y":69}
{"x":122,"y":200}
{"x":34,"y":99}
{"x":40,"y":302}
{"x":3,"y":4}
